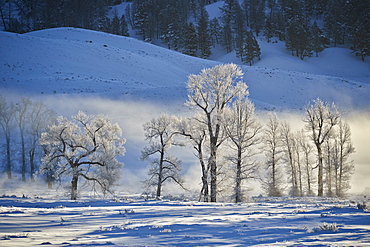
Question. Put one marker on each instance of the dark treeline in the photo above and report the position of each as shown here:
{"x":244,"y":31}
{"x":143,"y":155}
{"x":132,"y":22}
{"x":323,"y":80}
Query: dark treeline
{"x":306,"y":26}
{"x":29,"y":15}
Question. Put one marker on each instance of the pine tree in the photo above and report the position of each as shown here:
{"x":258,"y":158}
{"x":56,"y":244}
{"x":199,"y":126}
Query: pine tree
{"x":124,"y":27}
{"x":334,"y":22}
{"x":360,"y":35}
{"x":257,"y":15}
{"x":141,"y":18}
{"x":227,"y":37}
{"x":203,"y":33}
{"x":298,"y":38}
{"x":249,"y":49}
{"x":319,"y":41}
{"x":215,"y":31}
{"x":116,"y":25}
{"x":190,"y":40}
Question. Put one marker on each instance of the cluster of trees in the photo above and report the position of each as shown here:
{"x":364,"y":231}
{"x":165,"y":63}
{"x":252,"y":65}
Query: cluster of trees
{"x":22,"y":123}
{"x":294,"y":22}
{"x":29,"y":15}
{"x":227,"y":137}
{"x":184,"y":25}
{"x":36,"y":142}
{"x":224,"y":132}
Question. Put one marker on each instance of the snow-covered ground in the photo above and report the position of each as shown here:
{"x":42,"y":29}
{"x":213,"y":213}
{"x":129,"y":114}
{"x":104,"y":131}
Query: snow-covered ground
{"x":43,"y":217}
{"x":131,"y":81}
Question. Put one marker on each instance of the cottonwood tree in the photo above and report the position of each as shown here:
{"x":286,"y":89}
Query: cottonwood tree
{"x":242,"y":129}
{"x":306,"y":150}
{"x":21,"y":118}
{"x":86,"y":147}
{"x":196,"y":131}
{"x":7,"y":123}
{"x":289,"y":146}
{"x":320,"y":119}
{"x":40,"y":116}
{"x":342,"y":167}
{"x":159,"y":132}
{"x":210,"y":93}
{"x":273,"y":150}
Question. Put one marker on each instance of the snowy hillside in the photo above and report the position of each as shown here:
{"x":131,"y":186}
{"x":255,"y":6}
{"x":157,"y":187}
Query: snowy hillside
{"x":75,"y":61}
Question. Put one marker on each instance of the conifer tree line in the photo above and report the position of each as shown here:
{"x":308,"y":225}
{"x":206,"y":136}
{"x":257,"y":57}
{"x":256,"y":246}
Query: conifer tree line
{"x":295,"y":22}
{"x":306,"y":26}
{"x":29,"y":15}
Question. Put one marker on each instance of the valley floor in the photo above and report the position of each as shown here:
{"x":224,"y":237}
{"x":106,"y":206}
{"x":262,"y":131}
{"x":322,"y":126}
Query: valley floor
{"x":133,"y":221}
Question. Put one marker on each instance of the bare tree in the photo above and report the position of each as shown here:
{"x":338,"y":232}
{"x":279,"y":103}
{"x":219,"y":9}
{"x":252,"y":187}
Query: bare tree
{"x":40,"y":116}
{"x":273,"y":149}
{"x":320,"y":120}
{"x":242,"y":129}
{"x":22,"y":116}
{"x":306,"y":150}
{"x":342,"y":150}
{"x":210,"y":93}
{"x":87,"y":147}
{"x":7,"y":124}
{"x":289,"y":147}
{"x":159,"y":132}
{"x":197,"y":133}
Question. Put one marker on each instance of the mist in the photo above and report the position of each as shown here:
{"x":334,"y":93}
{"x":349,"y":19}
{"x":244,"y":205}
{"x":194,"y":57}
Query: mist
{"x":131,"y":115}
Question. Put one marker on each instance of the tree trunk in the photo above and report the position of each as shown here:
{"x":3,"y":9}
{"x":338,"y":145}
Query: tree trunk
{"x":213,"y":167}
{"x":74,"y":183}
{"x":238,"y":179}
{"x":32,"y":165}
{"x":160,"y":175}
{"x":24,"y":166}
{"x":8,"y":160}
{"x":308,"y":171}
{"x":205,"y":190}
{"x":320,"y":181}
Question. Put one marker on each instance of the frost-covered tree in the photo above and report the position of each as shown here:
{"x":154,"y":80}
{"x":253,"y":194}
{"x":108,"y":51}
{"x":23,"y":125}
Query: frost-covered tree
{"x":242,"y":129}
{"x":85,"y":147}
{"x":306,"y":150}
{"x":291,"y":158}
{"x":196,"y":131}
{"x":21,"y":118}
{"x":160,"y":132}
{"x":273,"y":149}
{"x":210,"y":93}
{"x":40,"y":116}
{"x":339,"y":167}
{"x":320,"y":119}
{"x":7,"y":123}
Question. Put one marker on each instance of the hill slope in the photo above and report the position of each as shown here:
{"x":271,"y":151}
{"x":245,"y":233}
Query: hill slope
{"x":75,"y":61}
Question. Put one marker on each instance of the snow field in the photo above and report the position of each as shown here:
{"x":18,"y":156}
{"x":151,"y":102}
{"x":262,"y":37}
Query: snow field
{"x":131,"y":221}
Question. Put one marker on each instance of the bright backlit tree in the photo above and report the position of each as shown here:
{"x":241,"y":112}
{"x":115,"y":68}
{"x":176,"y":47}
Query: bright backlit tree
{"x":85,"y":147}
